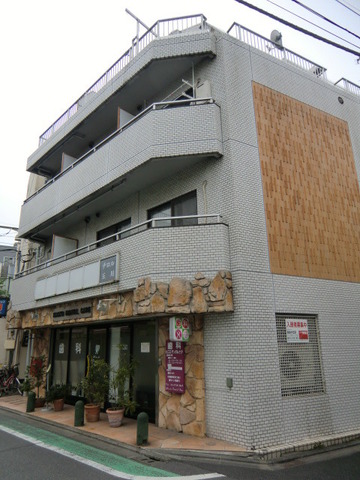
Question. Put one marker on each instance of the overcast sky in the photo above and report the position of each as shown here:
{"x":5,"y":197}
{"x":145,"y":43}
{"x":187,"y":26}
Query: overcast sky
{"x":52,"y":52}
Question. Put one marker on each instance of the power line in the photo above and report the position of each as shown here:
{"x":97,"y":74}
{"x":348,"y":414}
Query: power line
{"x":312,"y":23}
{"x":302,"y":30}
{"x":325,"y":18}
{"x":346,"y":6}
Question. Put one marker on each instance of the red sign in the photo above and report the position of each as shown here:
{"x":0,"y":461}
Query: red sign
{"x":175,"y":367}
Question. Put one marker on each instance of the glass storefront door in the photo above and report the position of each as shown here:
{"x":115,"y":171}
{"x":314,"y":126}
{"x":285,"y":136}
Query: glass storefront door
{"x":144,"y":352}
{"x":72,"y":347}
{"x":77,"y":358}
{"x":61,"y":356}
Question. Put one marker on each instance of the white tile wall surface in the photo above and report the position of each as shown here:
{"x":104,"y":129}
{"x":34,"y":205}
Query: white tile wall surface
{"x":243,"y":345}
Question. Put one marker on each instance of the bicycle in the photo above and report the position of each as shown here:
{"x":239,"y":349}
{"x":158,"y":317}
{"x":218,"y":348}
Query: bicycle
{"x":9,"y":382}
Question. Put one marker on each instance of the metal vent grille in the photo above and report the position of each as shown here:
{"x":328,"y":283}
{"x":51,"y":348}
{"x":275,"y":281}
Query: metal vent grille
{"x":299,"y":355}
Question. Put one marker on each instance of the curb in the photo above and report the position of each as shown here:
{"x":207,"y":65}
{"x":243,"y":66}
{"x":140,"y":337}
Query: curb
{"x":279,"y":454}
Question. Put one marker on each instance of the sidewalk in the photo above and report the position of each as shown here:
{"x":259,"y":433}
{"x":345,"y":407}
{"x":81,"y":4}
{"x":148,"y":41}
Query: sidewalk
{"x":161,"y":442}
{"x":165,"y":444}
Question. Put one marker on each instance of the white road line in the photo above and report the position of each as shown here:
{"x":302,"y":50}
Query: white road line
{"x":103,"y":468}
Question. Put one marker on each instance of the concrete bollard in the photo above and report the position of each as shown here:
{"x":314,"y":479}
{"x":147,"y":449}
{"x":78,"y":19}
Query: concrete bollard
{"x":30,"y":406}
{"x":79,"y":414}
{"x":142,"y":433}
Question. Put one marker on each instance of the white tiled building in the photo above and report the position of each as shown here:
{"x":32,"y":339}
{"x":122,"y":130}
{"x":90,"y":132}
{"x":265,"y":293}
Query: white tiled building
{"x":259,"y":156}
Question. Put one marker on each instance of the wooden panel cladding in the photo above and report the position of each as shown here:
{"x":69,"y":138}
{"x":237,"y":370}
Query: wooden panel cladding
{"x":311,"y":189}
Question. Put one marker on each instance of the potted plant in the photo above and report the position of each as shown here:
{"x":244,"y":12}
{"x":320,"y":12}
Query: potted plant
{"x":95,"y":386}
{"x":36,"y":375}
{"x":121,"y":396}
{"x":56,"y":394}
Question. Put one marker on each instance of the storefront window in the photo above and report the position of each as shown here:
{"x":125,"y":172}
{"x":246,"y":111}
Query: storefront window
{"x":77,"y":358}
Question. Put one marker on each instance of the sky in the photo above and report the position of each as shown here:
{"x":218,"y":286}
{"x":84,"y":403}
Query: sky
{"x":52,"y":52}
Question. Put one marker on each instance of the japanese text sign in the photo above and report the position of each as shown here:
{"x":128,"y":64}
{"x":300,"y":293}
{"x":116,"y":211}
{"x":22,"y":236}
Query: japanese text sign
{"x":108,"y":269}
{"x":179,"y":329}
{"x":175,"y":367}
{"x":297,"y":330}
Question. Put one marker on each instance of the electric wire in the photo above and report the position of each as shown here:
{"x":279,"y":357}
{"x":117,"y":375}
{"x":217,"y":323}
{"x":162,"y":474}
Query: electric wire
{"x":300,"y":29}
{"x":349,"y":8}
{"x":312,"y":23}
{"x":325,"y":18}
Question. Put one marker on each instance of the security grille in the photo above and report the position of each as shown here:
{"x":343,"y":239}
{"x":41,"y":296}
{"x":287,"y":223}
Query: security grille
{"x":299,"y":355}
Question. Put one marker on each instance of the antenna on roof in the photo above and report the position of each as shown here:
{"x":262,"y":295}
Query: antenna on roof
{"x":135,"y":40}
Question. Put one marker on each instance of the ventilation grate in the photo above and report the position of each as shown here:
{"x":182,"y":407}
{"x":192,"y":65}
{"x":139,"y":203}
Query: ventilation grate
{"x":299,"y":355}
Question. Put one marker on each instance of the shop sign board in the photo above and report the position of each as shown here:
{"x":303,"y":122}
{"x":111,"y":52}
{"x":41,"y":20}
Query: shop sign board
{"x":3,"y":306}
{"x":179,"y":329}
{"x":108,"y":269}
{"x":297,"y":330}
{"x":175,"y":367}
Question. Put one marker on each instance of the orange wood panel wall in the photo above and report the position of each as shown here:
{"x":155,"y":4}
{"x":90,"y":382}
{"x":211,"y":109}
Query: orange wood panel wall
{"x":311,"y":189}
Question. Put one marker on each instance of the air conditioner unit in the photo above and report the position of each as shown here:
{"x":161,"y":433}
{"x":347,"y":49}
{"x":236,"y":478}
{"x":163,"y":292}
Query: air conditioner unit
{"x":297,"y":370}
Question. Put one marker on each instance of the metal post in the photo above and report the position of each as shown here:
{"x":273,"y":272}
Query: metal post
{"x":142,"y":433}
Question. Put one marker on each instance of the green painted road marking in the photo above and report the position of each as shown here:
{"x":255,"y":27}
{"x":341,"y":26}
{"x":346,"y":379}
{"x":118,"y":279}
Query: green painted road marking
{"x":105,"y":461}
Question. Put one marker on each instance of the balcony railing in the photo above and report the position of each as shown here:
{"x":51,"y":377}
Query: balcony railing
{"x":192,"y":220}
{"x":162,"y":28}
{"x":281,"y":53}
{"x":154,"y":106}
{"x":349,"y":86}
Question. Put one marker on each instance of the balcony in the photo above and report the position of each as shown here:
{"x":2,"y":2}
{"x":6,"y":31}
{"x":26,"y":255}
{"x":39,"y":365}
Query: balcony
{"x":163,"y":55}
{"x":157,"y":143}
{"x":157,"y":252}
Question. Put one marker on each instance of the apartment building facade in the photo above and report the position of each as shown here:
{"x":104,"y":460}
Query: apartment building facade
{"x":201,"y":206}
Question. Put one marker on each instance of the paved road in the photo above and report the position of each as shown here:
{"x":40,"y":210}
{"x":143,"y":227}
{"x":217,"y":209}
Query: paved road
{"x":29,"y":452}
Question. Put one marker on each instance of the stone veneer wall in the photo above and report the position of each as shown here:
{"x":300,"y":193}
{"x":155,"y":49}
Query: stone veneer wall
{"x":180,"y":296}
{"x":184,"y":412}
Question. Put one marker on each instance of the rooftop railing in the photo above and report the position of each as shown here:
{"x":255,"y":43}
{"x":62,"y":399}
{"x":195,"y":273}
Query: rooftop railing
{"x":349,"y":86}
{"x":160,"y":222}
{"x":277,"y":51}
{"x":162,"y":28}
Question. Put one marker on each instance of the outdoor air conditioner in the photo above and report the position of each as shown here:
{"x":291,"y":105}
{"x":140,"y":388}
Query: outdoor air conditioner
{"x":297,"y":369}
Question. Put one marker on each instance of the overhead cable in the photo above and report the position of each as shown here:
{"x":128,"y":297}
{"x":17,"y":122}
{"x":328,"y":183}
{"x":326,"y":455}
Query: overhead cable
{"x":349,"y":8}
{"x":312,"y":23}
{"x":300,"y":29}
{"x":325,"y":18}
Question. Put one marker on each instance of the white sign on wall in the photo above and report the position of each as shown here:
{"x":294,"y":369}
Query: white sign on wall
{"x":179,"y":329}
{"x":297,"y":330}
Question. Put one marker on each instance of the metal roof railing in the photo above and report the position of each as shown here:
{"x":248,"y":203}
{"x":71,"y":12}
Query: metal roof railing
{"x":162,"y":28}
{"x":349,"y":86}
{"x":279,"y":52}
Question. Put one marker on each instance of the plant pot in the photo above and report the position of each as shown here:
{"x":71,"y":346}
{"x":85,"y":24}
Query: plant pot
{"x":39,"y":402}
{"x":92,"y":412}
{"x":115,"y":417}
{"x":59,"y":404}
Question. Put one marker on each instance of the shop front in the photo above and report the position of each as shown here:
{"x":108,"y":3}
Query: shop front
{"x":160,"y":325}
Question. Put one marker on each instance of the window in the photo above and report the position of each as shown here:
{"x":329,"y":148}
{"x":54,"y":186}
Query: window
{"x":112,"y":230}
{"x":178,"y":207}
{"x":299,"y":355}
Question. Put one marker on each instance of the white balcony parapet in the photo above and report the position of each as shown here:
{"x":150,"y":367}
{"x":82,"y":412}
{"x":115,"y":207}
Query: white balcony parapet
{"x":154,"y":106}
{"x":162,"y":28}
{"x":267,"y":46}
{"x":192,"y":220}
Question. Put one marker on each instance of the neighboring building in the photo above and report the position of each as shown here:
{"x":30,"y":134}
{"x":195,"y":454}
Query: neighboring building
{"x":210,"y":179}
{"x":7,"y":270}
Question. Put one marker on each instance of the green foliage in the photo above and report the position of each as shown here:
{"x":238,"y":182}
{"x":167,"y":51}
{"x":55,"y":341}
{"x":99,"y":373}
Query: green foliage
{"x":95,"y":384}
{"x":122,"y":383}
{"x":55,"y":392}
{"x":36,"y":373}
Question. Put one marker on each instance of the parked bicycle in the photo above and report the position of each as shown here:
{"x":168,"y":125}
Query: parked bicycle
{"x":9,"y":382}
